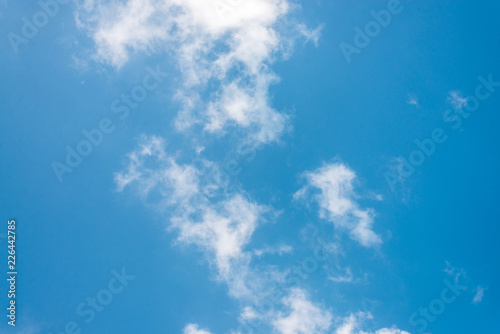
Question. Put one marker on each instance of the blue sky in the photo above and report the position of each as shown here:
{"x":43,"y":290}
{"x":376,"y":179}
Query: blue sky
{"x":226,"y":166}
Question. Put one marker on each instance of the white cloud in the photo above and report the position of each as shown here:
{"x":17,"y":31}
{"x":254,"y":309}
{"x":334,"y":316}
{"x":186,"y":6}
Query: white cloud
{"x":224,"y":229}
{"x":387,"y":331}
{"x":478,"y":297}
{"x":457,"y":100}
{"x":345,"y":278}
{"x":249,"y":313}
{"x":310,"y":35}
{"x":353,"y":323}
{"x":304,"y":317}
{"x":413,"y":100}
{"x":456,"y":273}
{"x":220,"y":221}
{"x":280,"y":250}
{"x":223,"y":48}
{"x":194,"y":329}
{"x":203,"y":211}
{"x":336,"y":200}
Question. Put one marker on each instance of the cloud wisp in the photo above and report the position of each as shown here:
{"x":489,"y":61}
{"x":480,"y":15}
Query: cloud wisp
{"x":352,"y":325}
{"x":478,"y":297}
{"x":217,"y":220}
{"x":202,"y":209}
{"x":223,"y":49}
{"x":333,"y":189}
{"x":220,"y":222}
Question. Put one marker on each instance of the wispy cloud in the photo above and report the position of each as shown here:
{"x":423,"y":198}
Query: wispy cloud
{"x":279,"y":250}
{"x":337,"y":202}
{"x":456,"y":273}
{"x":223,"y":50}
{"x":352,"y":324}
{"x":194,"y":329}
{"x":347,"y":277}
{"x":457,"y":100}
{"x":216,"y":219}
{"x":478,"y":297}
{"x":413,"y":100}
{"x":204,"y":211}
{"x":303,"y":317}
{"x":220,"y":221}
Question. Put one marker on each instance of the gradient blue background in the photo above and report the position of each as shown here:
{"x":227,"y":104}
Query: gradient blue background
{"x":72,"y":234}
